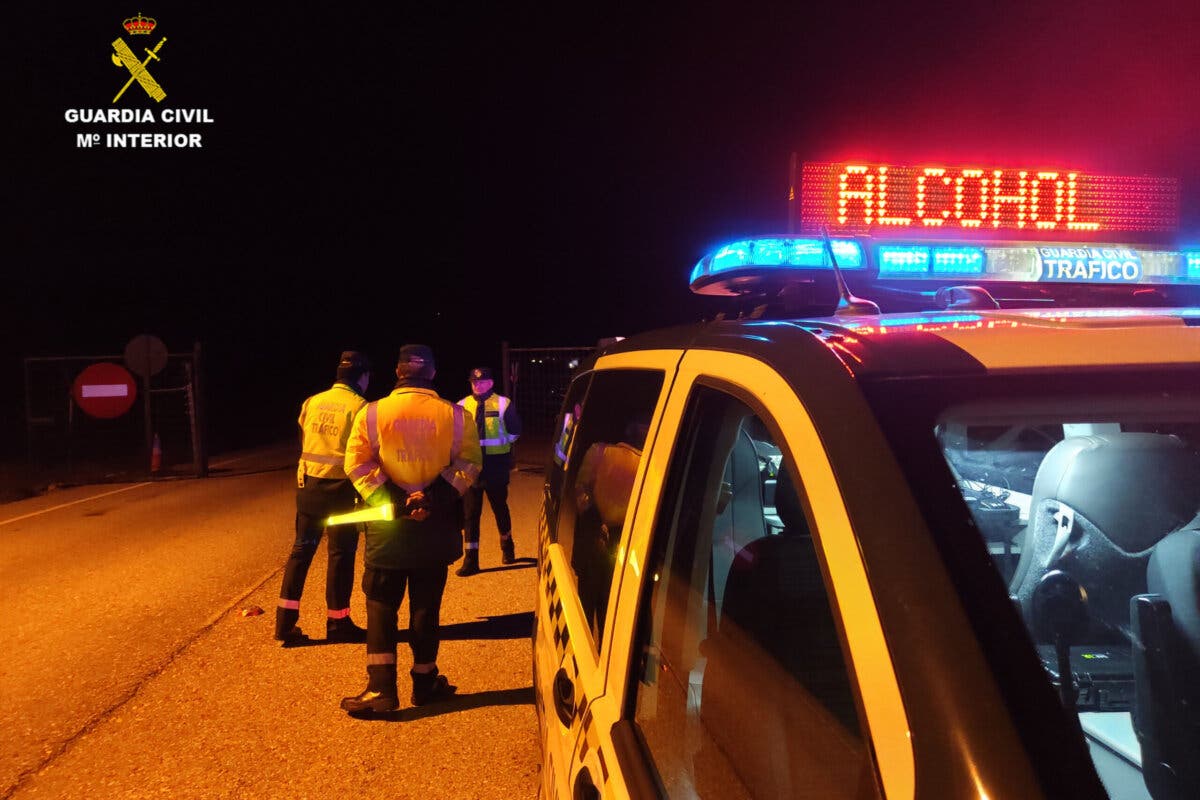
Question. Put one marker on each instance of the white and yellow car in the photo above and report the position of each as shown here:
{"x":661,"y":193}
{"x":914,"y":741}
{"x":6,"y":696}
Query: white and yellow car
{"x":929,"y":554}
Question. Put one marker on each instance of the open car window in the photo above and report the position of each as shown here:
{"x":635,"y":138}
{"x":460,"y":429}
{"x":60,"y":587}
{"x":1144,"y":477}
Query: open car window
{"x":1090,"y":514}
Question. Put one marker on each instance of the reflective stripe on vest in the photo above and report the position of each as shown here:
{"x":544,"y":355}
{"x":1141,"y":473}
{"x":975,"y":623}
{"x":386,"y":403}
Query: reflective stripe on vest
{"x":460,"y":473}
{"x":496,"y":439}
{"x":325,"y":421}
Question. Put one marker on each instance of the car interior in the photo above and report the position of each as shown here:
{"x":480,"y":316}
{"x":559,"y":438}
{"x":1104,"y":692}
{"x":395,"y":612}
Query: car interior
{"x":749,"y":627}
{"x":1101,"y":553}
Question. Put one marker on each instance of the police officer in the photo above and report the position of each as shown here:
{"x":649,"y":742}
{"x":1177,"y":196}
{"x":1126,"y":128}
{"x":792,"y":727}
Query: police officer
{"x":498,"y":426}
{"x":324,"y":489}
{"x":418,"y":454}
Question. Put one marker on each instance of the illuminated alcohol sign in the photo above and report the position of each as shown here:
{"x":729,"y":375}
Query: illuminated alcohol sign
{"x":992,"y":202}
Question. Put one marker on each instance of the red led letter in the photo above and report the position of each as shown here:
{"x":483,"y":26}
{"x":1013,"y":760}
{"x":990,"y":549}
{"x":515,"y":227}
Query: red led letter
{"x":864,"y":195}
{"x":1018,"y":199}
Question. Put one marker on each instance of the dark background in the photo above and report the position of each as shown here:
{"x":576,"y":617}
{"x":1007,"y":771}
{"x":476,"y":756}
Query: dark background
{"x":464,"y":175}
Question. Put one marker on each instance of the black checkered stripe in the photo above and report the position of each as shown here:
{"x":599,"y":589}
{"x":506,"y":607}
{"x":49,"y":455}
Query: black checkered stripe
{"x":589,"y":741}
{"x":554,"y":608}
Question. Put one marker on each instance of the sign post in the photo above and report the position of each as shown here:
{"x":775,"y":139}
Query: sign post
{"x":147,"y":356}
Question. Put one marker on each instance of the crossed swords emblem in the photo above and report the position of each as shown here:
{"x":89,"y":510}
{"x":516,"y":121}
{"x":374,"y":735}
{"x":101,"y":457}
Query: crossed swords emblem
{"x":137,"y":69}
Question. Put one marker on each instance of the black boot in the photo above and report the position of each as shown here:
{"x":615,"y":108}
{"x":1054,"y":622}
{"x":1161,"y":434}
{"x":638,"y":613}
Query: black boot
{"x":380,"y":696}
{"x":429,"y":687}
{"x":470,"y":565}
{"x":344,"y":630}
{"x":508,"y":551}
{"x":286,"y":630}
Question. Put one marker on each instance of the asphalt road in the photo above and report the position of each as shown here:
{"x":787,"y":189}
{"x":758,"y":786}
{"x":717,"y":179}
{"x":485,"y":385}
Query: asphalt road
{"x":127,"y":668}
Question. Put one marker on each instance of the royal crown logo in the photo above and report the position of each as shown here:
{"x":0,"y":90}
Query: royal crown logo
{"x":139,"y":24}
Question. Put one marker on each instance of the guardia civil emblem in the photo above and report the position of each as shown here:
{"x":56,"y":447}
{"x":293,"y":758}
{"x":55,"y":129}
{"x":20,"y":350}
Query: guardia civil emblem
{"x":123,"y":56}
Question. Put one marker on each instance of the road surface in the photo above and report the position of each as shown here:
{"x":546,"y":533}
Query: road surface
{"x":127,"y":668}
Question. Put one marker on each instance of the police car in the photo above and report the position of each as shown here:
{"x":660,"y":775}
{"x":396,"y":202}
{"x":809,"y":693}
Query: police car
{"x":950,"y":550}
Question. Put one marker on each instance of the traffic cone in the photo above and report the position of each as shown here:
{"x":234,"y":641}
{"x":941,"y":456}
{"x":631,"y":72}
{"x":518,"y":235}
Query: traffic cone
{"x":156,"y":455}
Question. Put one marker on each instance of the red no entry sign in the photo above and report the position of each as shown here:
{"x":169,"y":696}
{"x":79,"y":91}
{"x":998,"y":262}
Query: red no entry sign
{"x":104,"y":390}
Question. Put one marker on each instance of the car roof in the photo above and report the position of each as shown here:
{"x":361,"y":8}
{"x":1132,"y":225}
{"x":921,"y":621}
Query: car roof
{"x":953,"y":342}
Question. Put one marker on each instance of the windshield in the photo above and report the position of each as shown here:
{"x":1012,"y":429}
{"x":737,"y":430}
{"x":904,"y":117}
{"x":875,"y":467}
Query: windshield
{"x":1087,"y":501}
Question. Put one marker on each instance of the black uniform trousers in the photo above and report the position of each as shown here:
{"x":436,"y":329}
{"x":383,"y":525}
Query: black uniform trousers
{"x":342,"y":545}
{"x":493,"y":482}
{"x":385,"y":589}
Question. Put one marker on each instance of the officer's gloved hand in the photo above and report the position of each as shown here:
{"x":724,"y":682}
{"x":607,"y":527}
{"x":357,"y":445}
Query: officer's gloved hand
{"x":416,"y":506}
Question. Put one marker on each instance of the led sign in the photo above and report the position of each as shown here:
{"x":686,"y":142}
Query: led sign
{"x":993,"y":202}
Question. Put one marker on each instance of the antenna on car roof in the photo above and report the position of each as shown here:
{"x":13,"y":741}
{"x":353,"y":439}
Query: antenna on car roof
{"x":848,"y":305}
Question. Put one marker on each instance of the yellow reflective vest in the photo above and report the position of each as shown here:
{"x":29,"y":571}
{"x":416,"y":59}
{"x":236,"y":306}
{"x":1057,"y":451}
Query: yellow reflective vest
{"x":325,"y":421}
{"x":410,"y":437}
{"x":496,"y":439}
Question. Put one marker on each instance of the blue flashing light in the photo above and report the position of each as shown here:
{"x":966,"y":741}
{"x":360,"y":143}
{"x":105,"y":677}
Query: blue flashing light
{"x":1193,"y":264}
{"x":926,"y":319}
{"x":903,"y":260}
{"x":780,"y":252}
{"x":958,"y":261}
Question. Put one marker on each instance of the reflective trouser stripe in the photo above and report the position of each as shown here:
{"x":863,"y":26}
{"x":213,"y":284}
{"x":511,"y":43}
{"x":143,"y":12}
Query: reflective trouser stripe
{"x":378,"y":659}
{"x":285,"y":603}
{"x":341,"y":613}
{"x":472,"y":545}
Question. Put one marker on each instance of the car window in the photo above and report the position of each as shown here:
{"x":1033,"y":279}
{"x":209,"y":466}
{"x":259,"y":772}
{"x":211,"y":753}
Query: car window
{"x":1089,"y":512}
{"x":606,"y":434}
{"x":556,"y":469}
{"x":741,"y":689}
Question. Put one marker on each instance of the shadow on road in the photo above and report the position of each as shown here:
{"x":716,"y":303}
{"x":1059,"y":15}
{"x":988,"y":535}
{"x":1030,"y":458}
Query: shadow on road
{"x":502,"y":626}
{"x":458,"y":702}
{"x":521,"y":563}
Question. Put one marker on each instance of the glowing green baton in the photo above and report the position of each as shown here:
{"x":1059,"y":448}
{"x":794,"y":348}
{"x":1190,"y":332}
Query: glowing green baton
{"x":383,"y":513}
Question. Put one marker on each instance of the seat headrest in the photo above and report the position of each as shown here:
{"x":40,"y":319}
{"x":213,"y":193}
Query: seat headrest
{"x":1135,"y":487}
{"x":788,"y":505}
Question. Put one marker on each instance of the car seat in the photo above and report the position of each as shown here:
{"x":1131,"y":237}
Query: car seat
{"x":740,"y":517}
{"x":1166,"y":667}
{"x":1100,"y":504}
{"x":776,"y":698}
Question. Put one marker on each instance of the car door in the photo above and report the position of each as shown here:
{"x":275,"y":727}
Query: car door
{"x":592,"y":489}
{"x":754,"y":664}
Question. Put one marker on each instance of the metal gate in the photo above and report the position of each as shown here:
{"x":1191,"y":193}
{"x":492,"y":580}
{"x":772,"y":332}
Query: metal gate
{"x":536,"y":378}
{"x":161,"y":433}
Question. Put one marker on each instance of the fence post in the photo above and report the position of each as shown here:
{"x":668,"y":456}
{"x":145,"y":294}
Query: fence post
{"x":504,"y":369}
{"x":199,"y":441}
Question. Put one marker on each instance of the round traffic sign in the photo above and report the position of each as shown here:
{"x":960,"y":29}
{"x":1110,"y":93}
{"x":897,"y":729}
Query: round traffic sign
{"x":146,"y":355}
{"x":104,"y":390}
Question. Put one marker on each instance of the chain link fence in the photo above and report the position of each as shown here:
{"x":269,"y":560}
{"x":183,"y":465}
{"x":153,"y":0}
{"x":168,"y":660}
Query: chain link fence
{"x":536,"y":378}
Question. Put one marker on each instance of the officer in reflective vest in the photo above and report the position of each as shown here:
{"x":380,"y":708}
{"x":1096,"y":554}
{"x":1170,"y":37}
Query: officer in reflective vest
{"x":324,"y":489}
{"x":498,"y":426}
{"x":412,"y":455}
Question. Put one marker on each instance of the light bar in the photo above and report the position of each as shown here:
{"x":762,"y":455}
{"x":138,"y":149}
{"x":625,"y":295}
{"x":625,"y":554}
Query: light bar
{"x":761,"y":257}
{"x":918,"y":261}
{"x":1040,"y":262}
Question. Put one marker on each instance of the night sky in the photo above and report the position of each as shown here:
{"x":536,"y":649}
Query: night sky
{"x":467,"y":174}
